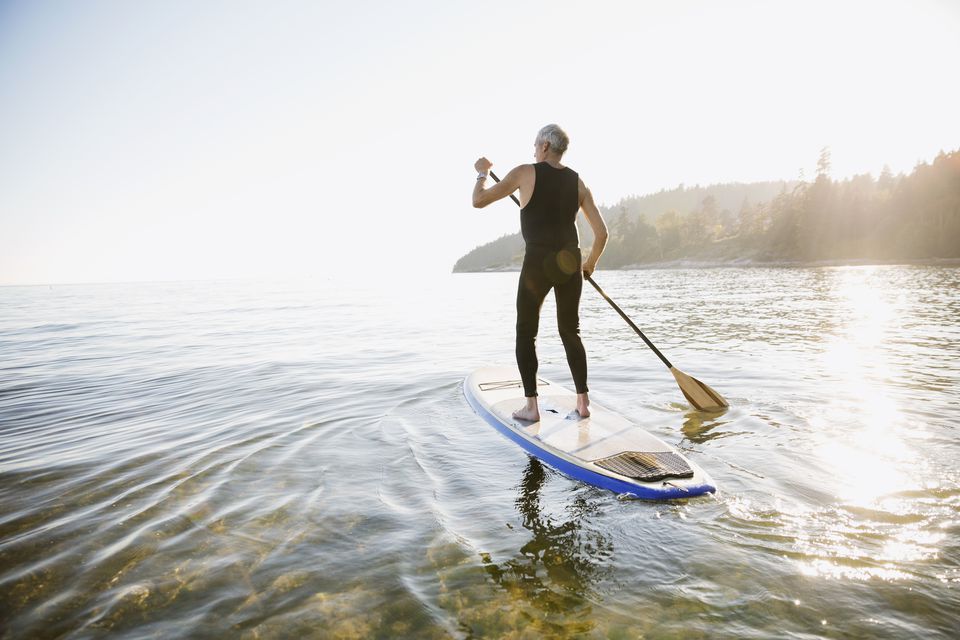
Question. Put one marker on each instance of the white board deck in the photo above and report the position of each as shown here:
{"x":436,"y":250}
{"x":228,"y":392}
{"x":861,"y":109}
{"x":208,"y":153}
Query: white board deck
{"x":573,"y":444}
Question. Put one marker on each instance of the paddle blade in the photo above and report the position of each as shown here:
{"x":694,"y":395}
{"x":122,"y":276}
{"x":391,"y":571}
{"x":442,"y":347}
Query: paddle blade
{"x":701,"y":396}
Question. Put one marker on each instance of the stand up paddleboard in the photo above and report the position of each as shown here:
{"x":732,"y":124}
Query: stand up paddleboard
{"x":605,"y":450}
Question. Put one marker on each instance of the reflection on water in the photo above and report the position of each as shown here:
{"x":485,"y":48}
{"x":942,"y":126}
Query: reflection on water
{"x":559,"y":564}
{"x":701,"y":427}
{"x":297,"y":459}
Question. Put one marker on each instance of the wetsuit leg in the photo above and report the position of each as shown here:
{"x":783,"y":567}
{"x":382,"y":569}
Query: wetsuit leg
{"x":568,"y":323}
{"x":531,"y":291}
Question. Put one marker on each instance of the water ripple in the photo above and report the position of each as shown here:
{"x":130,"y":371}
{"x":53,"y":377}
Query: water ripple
{"x":296,"y":459}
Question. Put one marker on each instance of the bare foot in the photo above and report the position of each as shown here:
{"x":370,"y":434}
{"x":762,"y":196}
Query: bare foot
{"x":583,"y":405}
{"x":530,"y":412}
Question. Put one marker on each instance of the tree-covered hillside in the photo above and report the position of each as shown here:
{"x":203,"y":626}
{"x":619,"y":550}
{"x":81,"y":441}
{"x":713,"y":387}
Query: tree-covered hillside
{"x":904,"y":217}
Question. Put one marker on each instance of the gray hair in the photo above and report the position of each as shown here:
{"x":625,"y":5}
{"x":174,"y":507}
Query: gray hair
{"x":555,"y":136}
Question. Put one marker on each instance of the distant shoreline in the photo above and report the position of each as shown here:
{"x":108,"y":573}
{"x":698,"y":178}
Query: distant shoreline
{"x":746,"y":263}
{"x":903,"y":219}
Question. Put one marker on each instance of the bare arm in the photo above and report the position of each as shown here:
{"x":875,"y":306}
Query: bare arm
{"x":510,"y":183}
{"x":599,"y":227}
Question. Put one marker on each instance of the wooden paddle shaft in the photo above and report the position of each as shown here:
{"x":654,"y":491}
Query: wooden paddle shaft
{"x":630,"y":322}
{"x":496,"y":179}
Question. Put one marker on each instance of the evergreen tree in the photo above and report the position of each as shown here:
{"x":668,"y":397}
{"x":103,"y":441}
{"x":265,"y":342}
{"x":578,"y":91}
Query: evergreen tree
{"x":895,"y":217}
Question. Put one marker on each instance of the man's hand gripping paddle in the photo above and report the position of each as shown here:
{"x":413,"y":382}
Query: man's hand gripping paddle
{"x":701,"y":396}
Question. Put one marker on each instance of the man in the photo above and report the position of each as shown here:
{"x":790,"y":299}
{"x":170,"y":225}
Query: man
{"x":551,"y":195}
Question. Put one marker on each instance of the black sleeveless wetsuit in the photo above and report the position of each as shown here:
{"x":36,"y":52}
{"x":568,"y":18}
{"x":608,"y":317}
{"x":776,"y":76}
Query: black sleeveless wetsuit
{"x":552,"y":260}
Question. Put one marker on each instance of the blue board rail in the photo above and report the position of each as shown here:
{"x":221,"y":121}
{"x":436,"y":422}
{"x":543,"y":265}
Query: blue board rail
{"x":663,"y":490}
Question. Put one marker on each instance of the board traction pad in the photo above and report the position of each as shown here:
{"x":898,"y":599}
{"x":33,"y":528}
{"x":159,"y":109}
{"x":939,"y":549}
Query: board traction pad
{"x":647,"y":467}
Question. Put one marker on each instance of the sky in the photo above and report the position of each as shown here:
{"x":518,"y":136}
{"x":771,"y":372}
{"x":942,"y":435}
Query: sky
{"x":180,"y":140}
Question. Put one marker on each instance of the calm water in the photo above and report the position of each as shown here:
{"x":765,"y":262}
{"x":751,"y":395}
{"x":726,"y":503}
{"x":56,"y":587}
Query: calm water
{"x":297,"y":459}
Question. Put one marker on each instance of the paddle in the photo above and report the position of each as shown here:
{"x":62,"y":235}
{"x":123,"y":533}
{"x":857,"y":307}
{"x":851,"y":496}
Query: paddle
{"x":697,"y":393}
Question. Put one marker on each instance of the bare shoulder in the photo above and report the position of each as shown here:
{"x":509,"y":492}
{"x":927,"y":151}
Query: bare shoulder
{"x":583,"y":192}
{"x":521,"y":177}
{"x":519,"y":172}
{"x":524,"y":169}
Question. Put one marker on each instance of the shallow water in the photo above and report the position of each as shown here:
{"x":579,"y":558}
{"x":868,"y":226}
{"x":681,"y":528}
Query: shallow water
{"x":264,"y":460}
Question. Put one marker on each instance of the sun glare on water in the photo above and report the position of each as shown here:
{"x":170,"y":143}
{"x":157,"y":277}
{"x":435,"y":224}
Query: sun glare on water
{"x":861,"y":442}
{"x":863,"y":430}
